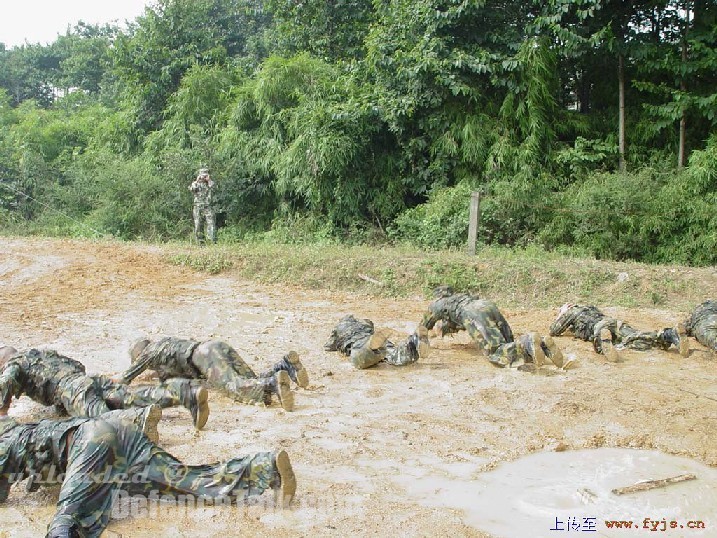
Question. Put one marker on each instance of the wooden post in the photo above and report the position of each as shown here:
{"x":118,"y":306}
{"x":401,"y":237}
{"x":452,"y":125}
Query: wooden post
{"x":473,"y":221}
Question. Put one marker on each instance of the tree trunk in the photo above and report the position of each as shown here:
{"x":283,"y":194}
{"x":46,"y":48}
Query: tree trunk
{"x":621,"y":93}
{"x":683,"y":119}
{"x":683,"y":88}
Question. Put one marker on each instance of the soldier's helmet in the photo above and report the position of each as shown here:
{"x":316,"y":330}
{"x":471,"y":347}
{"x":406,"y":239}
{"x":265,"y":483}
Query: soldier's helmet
{"x":203,"y":172}
{"x":443,"y":291}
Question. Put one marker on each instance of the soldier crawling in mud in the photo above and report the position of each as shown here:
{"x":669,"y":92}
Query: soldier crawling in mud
{"x":366,"y":347}
{"x":93,"y":458}
{"x":220,"y":365}
{"x":609,"y":334}
{"x":53,"y":379}
{"x":203,"y":211}
{"x":702,"y":324}
{"x":490,"y":331}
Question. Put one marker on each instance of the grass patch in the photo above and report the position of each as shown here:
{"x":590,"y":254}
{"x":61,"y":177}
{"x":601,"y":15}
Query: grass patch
{"x":511,"y":277}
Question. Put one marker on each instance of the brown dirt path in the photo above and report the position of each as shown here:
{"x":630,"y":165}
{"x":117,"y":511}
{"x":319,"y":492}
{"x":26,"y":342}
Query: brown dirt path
{"x":355,"y":435}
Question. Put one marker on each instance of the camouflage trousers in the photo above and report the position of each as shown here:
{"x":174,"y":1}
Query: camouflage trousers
{"x":106,"y":455}
{"x":624,"y":336}
{"x":92,"y":396}
{"x":491,"y":341}
{"x":363,"y":356}
{"x":204,"y":215}
{"x":225,"y":370}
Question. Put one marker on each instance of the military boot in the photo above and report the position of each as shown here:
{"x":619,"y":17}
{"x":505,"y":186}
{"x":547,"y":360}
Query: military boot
{"x":378,"y":340}
{"x":199,"y":406}
{"x":148,"y":420}
{"x":280,"y":385}
{"x":533,"y":347}
{"x":285,"y":490}
{"x":293,"y":366}
{"x":604,"y":345}
{"x":424,"y":346}
{"x":552,"y":351}
{"x":684,"y":344}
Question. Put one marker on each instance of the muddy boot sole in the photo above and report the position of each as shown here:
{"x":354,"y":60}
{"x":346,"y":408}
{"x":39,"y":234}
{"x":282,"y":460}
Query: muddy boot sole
{"x":302,"y":376}
{"x":202,"y":402}
{"x":378,"y":340}
{"x":283,"y":388}
{"x":554,"y":353}
{"x":684,"y":343}
{"x":150,"y":419}
{"x":286,"y":491}
{"x":606,"y":346}
{"x":538,"y":354}
{"x":424,"y":346}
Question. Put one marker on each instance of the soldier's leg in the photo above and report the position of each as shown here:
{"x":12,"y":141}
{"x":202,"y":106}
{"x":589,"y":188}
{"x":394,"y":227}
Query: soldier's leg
{"x":82,"y":397}
{"x":509,"y":354}
{"x":404,"y":353}
{"x":293,"y":366}
{"x":369,"y":351}
{"x":225,"y":370}
{"x":95,"y":457}
{"x":605,"y":336}
{"x":198,"y":224}
{"x":552,"y":351}
{"x":488,"y":339}
{"x":210,"y":218}
{"x":236,"y":478}
{"x":172,"y":392}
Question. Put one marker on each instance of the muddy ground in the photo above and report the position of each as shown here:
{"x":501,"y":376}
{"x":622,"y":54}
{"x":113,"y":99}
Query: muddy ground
{"x":383,"y":451}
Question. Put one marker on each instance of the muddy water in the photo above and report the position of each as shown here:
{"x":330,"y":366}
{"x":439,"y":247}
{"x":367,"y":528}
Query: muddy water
{"x":545,"y":493}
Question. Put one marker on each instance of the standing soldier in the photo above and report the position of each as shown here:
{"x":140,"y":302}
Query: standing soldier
{"x":203,"y":212}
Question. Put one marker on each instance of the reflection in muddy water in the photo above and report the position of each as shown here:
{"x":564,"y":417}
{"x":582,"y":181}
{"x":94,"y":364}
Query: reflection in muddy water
{"x":553,"y":493}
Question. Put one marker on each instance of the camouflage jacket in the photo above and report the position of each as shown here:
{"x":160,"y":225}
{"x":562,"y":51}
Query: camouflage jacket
{"x":579,"y":319}
{"x":455,"y":310}
{"x":40,"y":374}
{"x":169,"y":357}
{"x":202,"y":191}
{"x":703,"y":317}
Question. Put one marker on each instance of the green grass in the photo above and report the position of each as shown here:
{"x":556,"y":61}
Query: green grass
{"x":511,"y":277}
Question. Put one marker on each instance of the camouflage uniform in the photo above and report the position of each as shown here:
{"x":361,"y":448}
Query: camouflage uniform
{"x":702,"y":324}
{"x":353,"y":337}
{"x":97,"y":457}
{"x":486,"y":326}
{"x":215,"y":361}
{"x":53,"y":379}
{"x":586,"y":322}
{"x":203,"y":211}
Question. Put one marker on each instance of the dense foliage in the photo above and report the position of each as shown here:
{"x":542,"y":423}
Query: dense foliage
{"x":585,"y":124}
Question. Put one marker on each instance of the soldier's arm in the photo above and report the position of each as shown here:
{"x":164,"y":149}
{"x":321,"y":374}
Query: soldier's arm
{"x":430,"y":319}
{"x":10,"y":385}
{"x":141,"y":364}
{"x":563,"y":322}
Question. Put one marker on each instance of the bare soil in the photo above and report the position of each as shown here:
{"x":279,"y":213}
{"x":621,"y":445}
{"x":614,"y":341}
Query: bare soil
{"x":359,"y":440}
